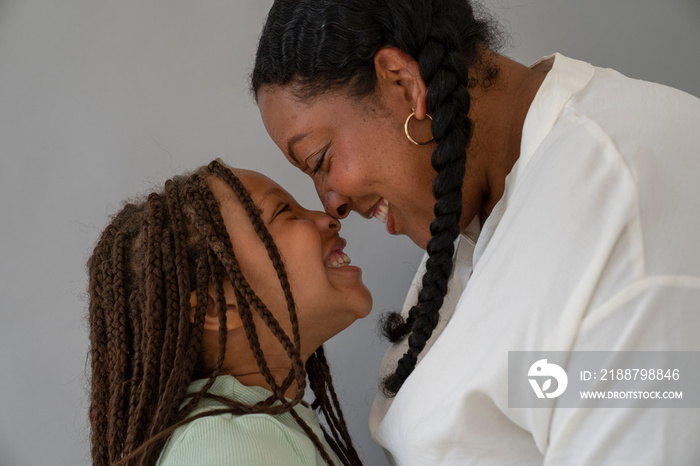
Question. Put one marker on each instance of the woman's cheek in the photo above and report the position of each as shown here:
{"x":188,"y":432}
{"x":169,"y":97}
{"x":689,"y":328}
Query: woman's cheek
{"x":348,"y":181}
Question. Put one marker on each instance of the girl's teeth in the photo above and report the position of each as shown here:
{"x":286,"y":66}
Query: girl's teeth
{"x":381,"y":211}
{"x":341,"y":261}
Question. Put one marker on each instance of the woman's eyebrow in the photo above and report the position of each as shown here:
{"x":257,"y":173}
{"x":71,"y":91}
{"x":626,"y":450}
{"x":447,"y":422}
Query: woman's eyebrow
{"x":290,"y":146}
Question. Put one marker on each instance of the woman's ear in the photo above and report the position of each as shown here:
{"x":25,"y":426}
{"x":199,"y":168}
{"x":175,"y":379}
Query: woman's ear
{"x":398,"y":76}
{"x":211,"y":319}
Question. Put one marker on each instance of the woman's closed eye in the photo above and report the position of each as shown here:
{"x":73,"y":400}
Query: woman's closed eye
{"x":319,"y":162}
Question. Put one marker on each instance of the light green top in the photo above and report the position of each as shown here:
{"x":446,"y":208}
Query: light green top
{"x":250,"y":439}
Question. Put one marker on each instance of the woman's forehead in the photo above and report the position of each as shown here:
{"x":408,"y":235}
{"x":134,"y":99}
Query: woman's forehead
{"x":281,"y":102}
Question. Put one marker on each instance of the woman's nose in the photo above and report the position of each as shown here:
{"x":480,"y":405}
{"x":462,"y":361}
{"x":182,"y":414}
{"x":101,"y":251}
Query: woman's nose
{"x":336,"y":205}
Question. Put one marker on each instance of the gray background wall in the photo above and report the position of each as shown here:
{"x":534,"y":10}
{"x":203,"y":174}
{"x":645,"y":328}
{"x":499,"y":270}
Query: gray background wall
{"x":101,"y":99}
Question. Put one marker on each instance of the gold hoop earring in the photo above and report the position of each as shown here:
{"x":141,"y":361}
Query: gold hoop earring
{"x":408,"y":135}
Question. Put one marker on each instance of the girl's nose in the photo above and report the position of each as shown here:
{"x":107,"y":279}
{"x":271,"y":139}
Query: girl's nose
{"x":325,"y":222}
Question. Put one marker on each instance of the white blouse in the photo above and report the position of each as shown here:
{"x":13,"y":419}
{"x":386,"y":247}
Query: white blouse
{"x":593,"y":246}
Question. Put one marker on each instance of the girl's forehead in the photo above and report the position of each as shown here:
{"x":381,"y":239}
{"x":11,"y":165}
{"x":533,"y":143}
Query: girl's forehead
{"x":260,"y":187}
{"x":253,"y":181}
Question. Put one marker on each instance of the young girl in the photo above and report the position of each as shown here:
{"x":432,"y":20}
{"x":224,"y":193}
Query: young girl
{"x":209,"y":303}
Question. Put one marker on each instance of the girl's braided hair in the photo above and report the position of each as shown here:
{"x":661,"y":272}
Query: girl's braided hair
{"x":144,"y":349}
{"x":319,"y":45}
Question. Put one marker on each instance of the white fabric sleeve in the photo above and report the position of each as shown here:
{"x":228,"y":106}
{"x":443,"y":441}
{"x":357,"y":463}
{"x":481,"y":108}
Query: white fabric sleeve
{"x":652,"y":314}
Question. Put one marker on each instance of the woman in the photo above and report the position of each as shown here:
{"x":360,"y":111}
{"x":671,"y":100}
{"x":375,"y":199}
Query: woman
{"x":554,"y":203}
{"x":209,"y":303}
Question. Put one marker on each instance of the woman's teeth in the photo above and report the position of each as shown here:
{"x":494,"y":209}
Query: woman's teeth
{"x":338,"y":259}
{"x":381,"y":210}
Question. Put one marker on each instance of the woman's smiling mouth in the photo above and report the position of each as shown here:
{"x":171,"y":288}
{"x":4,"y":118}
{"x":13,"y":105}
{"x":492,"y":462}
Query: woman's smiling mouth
{"x":381,"y":213}
{"x":381,"y":210}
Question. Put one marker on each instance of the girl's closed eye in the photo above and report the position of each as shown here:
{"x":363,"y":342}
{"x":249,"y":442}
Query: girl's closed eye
{"x":284,"y":207}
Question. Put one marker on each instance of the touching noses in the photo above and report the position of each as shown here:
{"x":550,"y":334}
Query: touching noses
{"x":325,"y":222}
{"x":336,"y":205}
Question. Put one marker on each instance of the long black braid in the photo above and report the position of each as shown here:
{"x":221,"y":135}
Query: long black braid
{"x":321,"y":45}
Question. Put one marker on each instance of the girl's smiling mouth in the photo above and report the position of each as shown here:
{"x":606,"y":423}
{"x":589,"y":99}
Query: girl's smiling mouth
{"x":335,"y":257}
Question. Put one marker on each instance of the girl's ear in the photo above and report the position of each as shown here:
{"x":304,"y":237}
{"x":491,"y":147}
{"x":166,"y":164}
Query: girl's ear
{"x":211,"y":319}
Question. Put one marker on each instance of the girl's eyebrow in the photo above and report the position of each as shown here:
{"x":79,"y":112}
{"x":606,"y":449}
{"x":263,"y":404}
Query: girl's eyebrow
{"x":230,"y":197}
{"x":266,"y":194}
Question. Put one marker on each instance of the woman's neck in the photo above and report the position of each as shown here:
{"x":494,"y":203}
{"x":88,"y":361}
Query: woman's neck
{"x":498,"y":114}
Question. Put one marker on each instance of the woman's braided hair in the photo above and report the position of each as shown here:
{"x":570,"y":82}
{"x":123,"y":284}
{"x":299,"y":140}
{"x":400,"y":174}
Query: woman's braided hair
{"x":144,"y":348}
{"x":319,"y":45}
